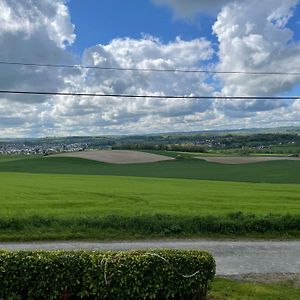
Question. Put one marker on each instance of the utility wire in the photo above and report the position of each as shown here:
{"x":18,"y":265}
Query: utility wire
{"x":150,"y":69}
{"x":151,"y":96}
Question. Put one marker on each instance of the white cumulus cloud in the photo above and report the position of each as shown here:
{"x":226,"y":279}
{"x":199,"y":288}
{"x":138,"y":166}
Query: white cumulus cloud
{"x":33,"y":31}
{"x":41,"y":31}
{"x":259,"y":42}
{"x":98,"y":113}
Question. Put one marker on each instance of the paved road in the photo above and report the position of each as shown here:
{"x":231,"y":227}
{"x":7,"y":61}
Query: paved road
{"x":232,"y":257}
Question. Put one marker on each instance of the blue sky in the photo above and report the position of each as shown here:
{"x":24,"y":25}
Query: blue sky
{"x":222,"y":35}
{"x":102,"y":21}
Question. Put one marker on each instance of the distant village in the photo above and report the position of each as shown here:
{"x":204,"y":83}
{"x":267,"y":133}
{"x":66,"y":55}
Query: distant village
{"x":36,"y":149}
{"x":285,"y":143}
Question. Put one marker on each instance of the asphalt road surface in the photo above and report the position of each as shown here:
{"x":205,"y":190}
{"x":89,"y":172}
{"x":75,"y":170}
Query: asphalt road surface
{"x":232,"y":257}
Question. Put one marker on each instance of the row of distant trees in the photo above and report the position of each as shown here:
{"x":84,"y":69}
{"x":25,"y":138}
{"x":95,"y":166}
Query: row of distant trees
{"x":161,"y":147}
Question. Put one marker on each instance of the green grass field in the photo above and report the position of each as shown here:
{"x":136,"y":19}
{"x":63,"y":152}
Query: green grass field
{"x":224,"y":289}
{"x":56,"y":197}
{"x":45,"y":206}
{"x":78,"y":195}
{"x":268,"y":172}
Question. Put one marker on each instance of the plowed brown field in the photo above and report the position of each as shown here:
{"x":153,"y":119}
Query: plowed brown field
{"x":117,"y":156}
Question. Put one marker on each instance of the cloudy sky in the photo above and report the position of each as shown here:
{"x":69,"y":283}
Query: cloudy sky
{"x":220,"y":35}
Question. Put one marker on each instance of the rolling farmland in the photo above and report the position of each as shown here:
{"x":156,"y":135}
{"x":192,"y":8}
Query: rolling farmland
{"x":63,"y":198}
{"x":263,"y":172}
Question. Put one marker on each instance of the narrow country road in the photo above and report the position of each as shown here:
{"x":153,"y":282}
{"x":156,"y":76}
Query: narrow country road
{"x":232,"y":257}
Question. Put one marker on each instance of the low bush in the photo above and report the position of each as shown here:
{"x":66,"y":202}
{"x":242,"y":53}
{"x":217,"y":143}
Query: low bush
{"x":165,"y":274}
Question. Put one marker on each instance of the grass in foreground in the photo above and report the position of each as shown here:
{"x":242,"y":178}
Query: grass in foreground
{"x":48,"y":206}
{"x":223,"y":289}
{"x":76,"y":196}
{"x":268,"y":172}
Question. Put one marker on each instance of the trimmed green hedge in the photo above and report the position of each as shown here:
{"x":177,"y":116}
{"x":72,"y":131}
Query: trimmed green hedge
{"x":165,"y":274}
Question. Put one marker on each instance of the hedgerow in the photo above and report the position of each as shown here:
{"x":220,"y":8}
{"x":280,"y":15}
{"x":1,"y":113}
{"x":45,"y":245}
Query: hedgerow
{"x":165,"y":274}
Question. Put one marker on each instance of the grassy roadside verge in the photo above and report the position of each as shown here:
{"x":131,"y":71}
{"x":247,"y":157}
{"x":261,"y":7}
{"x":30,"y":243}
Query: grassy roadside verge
{"x":223,"y":289}
{"x":116,"y":227}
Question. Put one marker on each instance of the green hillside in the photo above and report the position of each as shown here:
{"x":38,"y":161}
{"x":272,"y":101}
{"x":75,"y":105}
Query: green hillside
{"x":268,"y":172}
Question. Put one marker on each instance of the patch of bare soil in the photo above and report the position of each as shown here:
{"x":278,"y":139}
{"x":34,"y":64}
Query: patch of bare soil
{"x":117,"y":156}
{"x":243,"y":159}
{"x":293,"y":278}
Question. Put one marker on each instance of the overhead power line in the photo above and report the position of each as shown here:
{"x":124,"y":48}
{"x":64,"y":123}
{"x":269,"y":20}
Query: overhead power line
{"x":151,"y":96}
{"x":149,"y":69}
